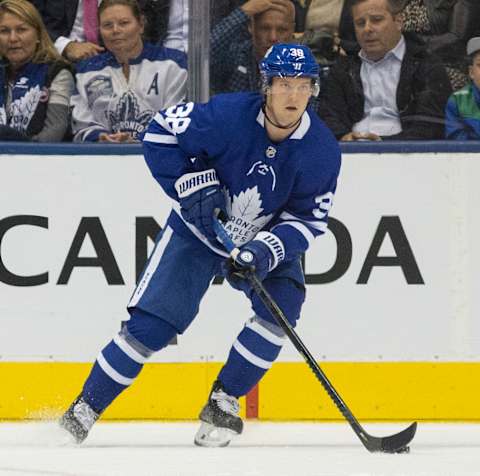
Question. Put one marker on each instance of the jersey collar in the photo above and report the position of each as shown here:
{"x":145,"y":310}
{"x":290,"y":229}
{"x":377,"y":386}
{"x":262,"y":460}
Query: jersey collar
{"x":298,"y":133}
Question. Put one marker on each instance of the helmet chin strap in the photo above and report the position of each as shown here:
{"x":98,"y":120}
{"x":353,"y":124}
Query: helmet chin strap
{"x":289,"y":126}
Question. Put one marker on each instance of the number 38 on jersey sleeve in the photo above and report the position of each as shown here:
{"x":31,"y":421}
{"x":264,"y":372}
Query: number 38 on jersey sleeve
{"x":170,"y":152}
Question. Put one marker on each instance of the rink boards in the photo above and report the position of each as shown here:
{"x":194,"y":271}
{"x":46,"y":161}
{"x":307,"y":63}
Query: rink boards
{"x":390,"y":312}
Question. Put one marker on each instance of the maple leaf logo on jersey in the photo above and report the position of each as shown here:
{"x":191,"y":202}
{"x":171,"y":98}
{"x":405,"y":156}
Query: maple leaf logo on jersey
{"x":245,"y":212}
{"x":128,"y":116}
{"x":23,"y":109}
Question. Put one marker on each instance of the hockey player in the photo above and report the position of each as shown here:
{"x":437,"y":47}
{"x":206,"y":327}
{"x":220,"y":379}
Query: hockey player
{"x":270,"y":167}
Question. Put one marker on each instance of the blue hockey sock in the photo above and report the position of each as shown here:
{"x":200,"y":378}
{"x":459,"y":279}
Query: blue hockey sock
{"x":100,"y":390}
{"x":256,"y":348}
{"x":112,"y":373}
{"x":122,"y":359}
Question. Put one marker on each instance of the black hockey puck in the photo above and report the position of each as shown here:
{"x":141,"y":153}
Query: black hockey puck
{"x":405,"y":449}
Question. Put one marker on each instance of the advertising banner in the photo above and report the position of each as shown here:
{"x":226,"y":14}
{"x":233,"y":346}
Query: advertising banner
{"x":392,"y":279}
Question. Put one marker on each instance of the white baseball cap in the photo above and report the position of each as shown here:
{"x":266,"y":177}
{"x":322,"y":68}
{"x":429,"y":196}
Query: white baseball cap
{"x":473,"y":45}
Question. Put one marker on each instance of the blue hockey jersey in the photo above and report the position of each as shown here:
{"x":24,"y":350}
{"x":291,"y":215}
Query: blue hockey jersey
{"x":285,"y":188}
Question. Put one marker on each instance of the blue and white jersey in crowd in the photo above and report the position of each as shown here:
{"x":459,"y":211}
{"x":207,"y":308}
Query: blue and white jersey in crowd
{"x":105,"y":101}
{"x":284,"y":188}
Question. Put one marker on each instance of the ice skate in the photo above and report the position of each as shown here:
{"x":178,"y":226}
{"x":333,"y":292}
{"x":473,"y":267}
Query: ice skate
{"x":78,"y":420}
{"x":220,"y":420}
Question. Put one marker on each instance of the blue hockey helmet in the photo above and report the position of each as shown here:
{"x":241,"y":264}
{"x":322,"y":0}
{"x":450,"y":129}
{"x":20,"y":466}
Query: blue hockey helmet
{"x":289,"y":60}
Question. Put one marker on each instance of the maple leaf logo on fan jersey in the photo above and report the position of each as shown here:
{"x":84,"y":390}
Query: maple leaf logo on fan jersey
{"x":245,"y":212}
{"x":23,"y":109}
{"x":128,"y":116}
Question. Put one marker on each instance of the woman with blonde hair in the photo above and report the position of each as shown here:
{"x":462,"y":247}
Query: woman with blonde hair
{"x":35,"y":82}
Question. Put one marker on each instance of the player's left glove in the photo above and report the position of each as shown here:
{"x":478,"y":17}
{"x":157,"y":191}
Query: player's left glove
{"x":200,"y":198}
{"x":260,"y":256}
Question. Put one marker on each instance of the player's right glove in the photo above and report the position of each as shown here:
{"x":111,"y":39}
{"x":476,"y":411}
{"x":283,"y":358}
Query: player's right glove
{"x":200,"y":198}
{"x":260,"y":256}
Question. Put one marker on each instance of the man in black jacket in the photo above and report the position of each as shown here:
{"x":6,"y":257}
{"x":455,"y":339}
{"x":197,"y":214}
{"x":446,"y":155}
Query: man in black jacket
{"x":392,"y":89}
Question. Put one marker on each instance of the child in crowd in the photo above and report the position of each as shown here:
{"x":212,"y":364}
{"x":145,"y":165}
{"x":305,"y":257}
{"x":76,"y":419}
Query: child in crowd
{"x":463,"y":108}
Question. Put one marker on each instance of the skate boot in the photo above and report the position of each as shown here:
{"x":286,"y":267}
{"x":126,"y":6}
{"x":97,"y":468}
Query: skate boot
{"x":78,"y":419}
{"x":220,"y":420}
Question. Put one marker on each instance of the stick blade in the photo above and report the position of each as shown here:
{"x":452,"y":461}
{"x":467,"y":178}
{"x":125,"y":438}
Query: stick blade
{"x":397,"y":443}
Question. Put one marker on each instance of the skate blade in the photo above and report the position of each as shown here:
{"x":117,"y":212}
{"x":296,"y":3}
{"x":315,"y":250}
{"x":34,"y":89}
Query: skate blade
{"x":64,"y":437}
{"x":213,"y":437}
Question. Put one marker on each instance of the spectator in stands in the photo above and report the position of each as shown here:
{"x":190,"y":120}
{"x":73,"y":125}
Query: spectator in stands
{"x":463,"y":107}
{"x":445,"y":26}
{"x":35,"y":82}
{"x":393,"y":89}
{"x":73,"y":24}
{"x":235,"y":57}
{"x":119,"y":91}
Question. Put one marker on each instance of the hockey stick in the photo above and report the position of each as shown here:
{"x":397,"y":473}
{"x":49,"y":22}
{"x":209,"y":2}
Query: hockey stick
{"x":397,"y":443}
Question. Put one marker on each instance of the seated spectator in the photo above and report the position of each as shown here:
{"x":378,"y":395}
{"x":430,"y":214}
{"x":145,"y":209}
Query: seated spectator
{"x":234,"y":58}
{"x":119,"y":91}
{"x":35,"y":83}
{"x":393,"y":89}
{"x":73,"y":25}
{"x":445,"y":26}
{"x":463,"y":107}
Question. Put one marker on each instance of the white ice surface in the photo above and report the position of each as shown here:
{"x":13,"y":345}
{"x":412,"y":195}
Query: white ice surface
{"x":277,"y":449}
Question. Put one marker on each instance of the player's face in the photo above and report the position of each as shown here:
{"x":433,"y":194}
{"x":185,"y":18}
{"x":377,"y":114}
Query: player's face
{"x":18,"y":40}
{"x":474,"y":70}
{"x":377,"y":30}
{"x":269,"y":28}
{"x":121,"y":31}
{"x":287,"y":99}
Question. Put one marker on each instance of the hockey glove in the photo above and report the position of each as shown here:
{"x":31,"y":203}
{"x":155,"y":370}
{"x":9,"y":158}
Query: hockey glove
{"x":200,"y":197}
{"x":260,"y":256}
